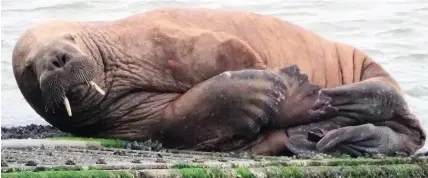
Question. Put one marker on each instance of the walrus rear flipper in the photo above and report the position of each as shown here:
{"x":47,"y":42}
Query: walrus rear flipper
{"x":388,"y":138}
{"x":342,"y":135}
{"x":302,"y":140}
{"x":377,"y":104}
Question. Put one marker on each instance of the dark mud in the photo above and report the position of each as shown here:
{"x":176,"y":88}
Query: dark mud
{"x":31,"y":131}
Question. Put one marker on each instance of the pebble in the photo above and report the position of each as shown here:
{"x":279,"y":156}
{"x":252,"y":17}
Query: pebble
{"x":222,"y":159}
{"x":119,"y":152}
{"x":160,"y":160}
{"x":31,"y":131}
{"x":31,"y":163}
{"x":378,"y":156}
{"x":70,"y":162}
{"x":136,"y":161}
{"x":4,"y":164}
{"x":101,"y":161}
{"x":198,"y":160}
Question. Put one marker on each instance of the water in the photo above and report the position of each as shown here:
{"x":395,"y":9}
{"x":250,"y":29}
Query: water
{"x":393,"y":32}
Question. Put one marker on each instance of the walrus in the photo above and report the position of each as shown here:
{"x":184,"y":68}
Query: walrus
{"x":213,"y":80}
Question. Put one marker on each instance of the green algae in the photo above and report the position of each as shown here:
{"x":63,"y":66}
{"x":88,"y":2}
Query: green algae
{"x":245,"y":173}
{"x":184,"y":165}
{"x":193,"y":173}
{"x":109,"y":143}
{"x":204,"y":173}
{"x":398,"y":171}
{"x":69,"y":174}
{"x":292,"y":171}
{"x":217,"y":173}
{"x":147,"y":145}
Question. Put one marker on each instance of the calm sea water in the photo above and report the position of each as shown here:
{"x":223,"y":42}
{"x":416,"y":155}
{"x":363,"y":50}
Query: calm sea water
{"x":393,"y":32}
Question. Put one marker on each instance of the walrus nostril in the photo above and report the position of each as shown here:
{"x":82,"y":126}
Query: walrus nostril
{"x":59,"y":60}
{"x":56,"y":64}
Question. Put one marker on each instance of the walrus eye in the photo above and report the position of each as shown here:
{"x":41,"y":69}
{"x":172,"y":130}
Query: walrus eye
{"x":29,"y":62}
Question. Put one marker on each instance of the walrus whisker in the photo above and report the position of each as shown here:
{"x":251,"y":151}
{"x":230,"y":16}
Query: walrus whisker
{"x":67,"y":106}
{"x":101,"y":91}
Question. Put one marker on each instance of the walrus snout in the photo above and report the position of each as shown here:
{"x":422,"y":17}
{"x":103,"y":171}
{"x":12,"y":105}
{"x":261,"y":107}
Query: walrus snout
{"x":61,"y":67}
{"x":61,"y":75}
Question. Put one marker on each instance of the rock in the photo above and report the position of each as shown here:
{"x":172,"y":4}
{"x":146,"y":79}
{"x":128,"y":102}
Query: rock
{"x":378,"y":156}
{"x":160,"y":160}
{"x":119,"y":152}
{"x":31,"y":131}
{"x":222,"y":159}
{"x":70,"y":162}
{"x":198,"y":160}
{"x":4,"y":164}
{"x":159,"y":155}
{"x":136,"y":161}
{"x":31,"y":163}
{"x":101,"y":161}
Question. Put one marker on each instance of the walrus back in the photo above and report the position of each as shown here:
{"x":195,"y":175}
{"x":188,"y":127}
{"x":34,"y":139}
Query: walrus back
{"x":277,"y":42}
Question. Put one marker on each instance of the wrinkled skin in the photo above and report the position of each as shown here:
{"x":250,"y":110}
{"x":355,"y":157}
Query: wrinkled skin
{"x":212,"y":80}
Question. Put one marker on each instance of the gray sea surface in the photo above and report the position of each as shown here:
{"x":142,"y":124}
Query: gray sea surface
{"x":393,"y":32}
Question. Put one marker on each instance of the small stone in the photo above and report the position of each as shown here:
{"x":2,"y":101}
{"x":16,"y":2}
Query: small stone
{"x":119,"y":152}
{"x":136,"y":161}
{"x":70,"y":162}
{"x":160,"y":160}
{"x":198,"y":160}
{"x":31,"y":163}
{"x":378,"y":156}
{"x":159,"y":155}
{"x":222,"y":159}
{"x":49,"y":153}
{"x":318,"y":157}
{"x":256,"y":158}
{"x":101,"y":161}
{"x":4,"y":164}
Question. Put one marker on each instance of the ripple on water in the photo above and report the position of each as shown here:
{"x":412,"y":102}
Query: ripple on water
{"x":422,"y":57}
{"x":419,"y":91}
{"x":45,"y":6}
{"x":399,"y":32}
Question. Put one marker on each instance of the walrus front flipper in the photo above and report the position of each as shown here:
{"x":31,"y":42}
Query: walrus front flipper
{"x":232,"y":104}
{"x":367,"y":101}
{"x":305,"y":103}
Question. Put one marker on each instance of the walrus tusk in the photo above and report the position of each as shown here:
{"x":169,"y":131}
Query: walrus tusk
{"x":67,"y":106}
{"x":101,"y":91}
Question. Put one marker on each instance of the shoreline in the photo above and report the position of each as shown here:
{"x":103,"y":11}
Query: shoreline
{"x":44,"y":151}
{"x":38,"y":131}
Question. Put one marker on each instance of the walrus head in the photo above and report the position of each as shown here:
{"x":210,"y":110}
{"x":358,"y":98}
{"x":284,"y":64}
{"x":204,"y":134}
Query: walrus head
{"x":61,"y":67}
{"x":58,"y":76}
